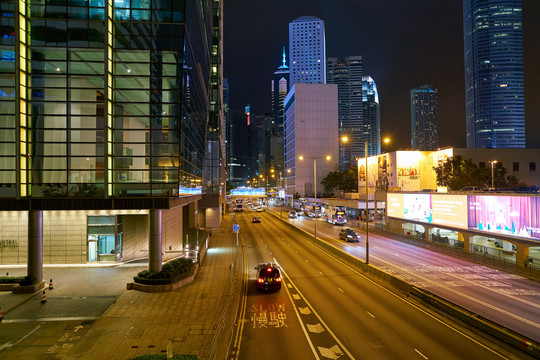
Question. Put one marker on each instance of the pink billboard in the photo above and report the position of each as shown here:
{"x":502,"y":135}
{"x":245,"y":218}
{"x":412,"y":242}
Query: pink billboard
{"x":508,"y":215}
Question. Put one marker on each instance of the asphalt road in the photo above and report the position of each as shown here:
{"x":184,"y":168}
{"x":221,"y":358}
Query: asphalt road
{"x":507,"y":299}
{"x":341,"y":313}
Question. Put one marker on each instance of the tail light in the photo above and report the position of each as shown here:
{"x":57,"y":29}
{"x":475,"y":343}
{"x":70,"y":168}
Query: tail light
{"x":278,"y":279}
{"x":259,"y":280}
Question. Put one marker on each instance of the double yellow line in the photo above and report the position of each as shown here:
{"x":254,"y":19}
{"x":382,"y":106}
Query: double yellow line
{"x":243,"y":303}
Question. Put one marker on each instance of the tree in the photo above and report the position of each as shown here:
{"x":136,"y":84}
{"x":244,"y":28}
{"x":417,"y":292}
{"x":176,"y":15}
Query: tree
{"x":346,"y":181}
{"x":457,"y":173}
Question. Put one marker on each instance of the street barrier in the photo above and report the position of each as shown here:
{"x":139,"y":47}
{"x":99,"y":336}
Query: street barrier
{"x":428,"y":299}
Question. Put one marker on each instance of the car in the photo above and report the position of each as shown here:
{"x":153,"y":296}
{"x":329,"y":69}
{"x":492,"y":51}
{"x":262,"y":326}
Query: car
{"x":292,"y":214}
{"x":349,"y":235}
{"x":256,"y":219}
{"x":268,"y":276}
{"x":260,"y":209}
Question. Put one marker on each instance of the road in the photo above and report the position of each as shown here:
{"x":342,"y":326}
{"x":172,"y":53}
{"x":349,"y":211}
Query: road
{"x":341,"y":313}
{"x":507,"y":299}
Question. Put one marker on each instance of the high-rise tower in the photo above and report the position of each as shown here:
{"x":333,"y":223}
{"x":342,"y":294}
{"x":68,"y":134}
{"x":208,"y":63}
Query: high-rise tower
{"x":307,"y":51}
{"x":425,"y":118}
{"x":347,"y":75}
{"x":371,"y":118}
{"x":494,"y":73}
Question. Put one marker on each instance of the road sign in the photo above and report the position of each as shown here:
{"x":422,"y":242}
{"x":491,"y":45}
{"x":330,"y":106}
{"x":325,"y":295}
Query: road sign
{"x":236,"y":227}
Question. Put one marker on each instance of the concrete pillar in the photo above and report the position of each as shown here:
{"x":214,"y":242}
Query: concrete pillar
{"x":154,"y":246}
{"x":35,"y":245}
{"x":427,"y":232}
{"x":466,"y":238}
{"x":522,"y":255}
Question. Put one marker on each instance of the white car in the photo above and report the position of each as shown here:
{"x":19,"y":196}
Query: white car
{"x":259,"y":209}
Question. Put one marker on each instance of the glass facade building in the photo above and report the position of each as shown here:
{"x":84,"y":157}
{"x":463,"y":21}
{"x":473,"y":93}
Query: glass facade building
{"x":494,"y":91}
{"x":347,"y":75}
{"x":307,"y":51}
{"x":371,"y":115}
{"x":103,"y":98}
{"x":425,"y":118}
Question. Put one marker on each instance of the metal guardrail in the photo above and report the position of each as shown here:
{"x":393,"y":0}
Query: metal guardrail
{"x":510,"y":337}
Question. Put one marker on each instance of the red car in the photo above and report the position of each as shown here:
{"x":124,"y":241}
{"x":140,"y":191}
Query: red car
{"x":269,"y":277}
{"x":256,"y":219}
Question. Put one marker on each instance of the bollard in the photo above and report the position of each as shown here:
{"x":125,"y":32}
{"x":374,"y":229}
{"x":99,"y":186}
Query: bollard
{"x":169,"y":349}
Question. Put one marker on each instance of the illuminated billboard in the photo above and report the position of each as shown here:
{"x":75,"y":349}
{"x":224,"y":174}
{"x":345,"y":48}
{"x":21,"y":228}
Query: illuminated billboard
{"x":248,"y":192}
{"x":449,"y":210}
{"x":508,"y":215}
{"x":505,"y":215}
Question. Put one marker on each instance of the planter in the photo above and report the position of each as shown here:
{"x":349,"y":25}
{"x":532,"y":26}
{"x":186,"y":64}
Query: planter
{"x":164,"y":287}
{"x":28,"y":289}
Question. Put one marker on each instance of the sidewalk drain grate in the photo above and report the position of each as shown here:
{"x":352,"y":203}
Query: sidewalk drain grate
{"x":134,"y":346}
{"x":151,"y":346}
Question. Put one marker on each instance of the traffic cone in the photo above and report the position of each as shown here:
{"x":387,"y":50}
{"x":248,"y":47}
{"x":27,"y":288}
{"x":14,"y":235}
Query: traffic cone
{"x":50,"y":285}
{"x":43,"y":298}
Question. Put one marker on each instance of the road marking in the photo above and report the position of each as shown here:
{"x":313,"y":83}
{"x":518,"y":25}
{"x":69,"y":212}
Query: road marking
{"x":340,"y":290}
{"x":289,"y":286}
{"x":304,"y":310}
{"x":270,"y":252}
{"x":422,"y":355}
{"x":317,"y":328}
{"x":296,"y":296}
{"x":10,"y":344}
{"x":307,"y":260}
{"x":370,"y":314}
{"x":318,"y":317}
{"x":321,"y":273}
{"x":332,"y":353}
{"x":67,"y":318}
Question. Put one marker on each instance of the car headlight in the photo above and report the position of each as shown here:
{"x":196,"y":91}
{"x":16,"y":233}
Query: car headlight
{"x":349,"y":236}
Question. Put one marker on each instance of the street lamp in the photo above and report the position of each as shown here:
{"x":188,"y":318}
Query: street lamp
{"x":386,"y":141}
{"x":327,"y":157}
{"x":493,"y":162}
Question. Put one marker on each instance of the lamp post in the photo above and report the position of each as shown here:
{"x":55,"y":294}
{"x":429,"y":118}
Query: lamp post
{"x":386,"y":141}
{"x":493,"y":162}
{"x":315,"y":184}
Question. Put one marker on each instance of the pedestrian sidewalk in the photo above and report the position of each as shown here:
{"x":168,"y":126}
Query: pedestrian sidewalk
{"x":142,"y":323}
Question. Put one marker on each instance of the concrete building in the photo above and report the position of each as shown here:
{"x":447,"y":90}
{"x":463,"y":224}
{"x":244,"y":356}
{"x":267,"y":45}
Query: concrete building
{"x":307,"y":51}
{"x":310,"y":131}
{"x":110,"y":146}
{"x":413,"y":170}
{"x":425,"y":118}
{"x":494,"y":91}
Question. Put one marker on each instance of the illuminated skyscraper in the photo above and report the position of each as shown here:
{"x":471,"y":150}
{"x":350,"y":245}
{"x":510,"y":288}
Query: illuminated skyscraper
{"x":347,"y":75}
{"x":494,"y":73}
{"x":307,"y":51}
{"x":371,"y":118}
{"x":425,"y":118}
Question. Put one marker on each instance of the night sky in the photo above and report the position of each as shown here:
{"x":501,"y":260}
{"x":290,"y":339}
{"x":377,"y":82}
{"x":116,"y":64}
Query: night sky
{"x":404,"y":44}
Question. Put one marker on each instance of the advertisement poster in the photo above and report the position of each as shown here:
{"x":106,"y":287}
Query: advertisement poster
{"x":508,"y":215}
{"x":382,"y":172}
{"x":449,"y":210}
{"x":417,"y":207}
{"x":395,"y":205}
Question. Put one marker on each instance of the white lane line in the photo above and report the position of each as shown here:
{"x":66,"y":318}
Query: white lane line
{"x":318,"y":317}
{"x":321,"y":273}
{"x":270,"y":252}
{"x":307,"y":260}
{"x":340,"y":290}
{"x":422,"y":355}
{"x":469,"y":297}
{"x":10,"y":344}
{"x":370,"y":314}
{"x":67,"y":318}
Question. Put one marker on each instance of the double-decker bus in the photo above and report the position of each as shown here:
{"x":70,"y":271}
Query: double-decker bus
{"x":336,"y":215}
{"x":238,"y":205}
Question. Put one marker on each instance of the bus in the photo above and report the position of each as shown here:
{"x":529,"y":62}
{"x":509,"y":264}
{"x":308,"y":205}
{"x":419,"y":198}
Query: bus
{"x":336,"y":215}
{"x":238,"y":205}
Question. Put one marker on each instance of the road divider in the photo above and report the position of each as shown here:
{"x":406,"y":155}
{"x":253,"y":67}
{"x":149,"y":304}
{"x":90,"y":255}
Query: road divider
{"x":423,"y":297}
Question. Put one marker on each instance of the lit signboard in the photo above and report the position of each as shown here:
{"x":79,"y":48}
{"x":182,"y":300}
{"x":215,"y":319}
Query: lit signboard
{"x":508,"y":215}
{"x":449,"y":210}
{"x":190,"y":191}
{"x":505,"y":215}
{"x":248,"y":192}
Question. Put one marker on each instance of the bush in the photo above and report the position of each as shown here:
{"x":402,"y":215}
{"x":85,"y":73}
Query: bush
{"x":27,"y":280}
{"x":170,"y":272}
{"x":11,"y":279}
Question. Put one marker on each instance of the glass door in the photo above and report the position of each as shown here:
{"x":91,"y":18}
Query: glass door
{"x":92,"y":249}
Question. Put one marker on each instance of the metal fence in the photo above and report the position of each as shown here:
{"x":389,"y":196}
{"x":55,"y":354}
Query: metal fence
{"x":479,"y":254}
